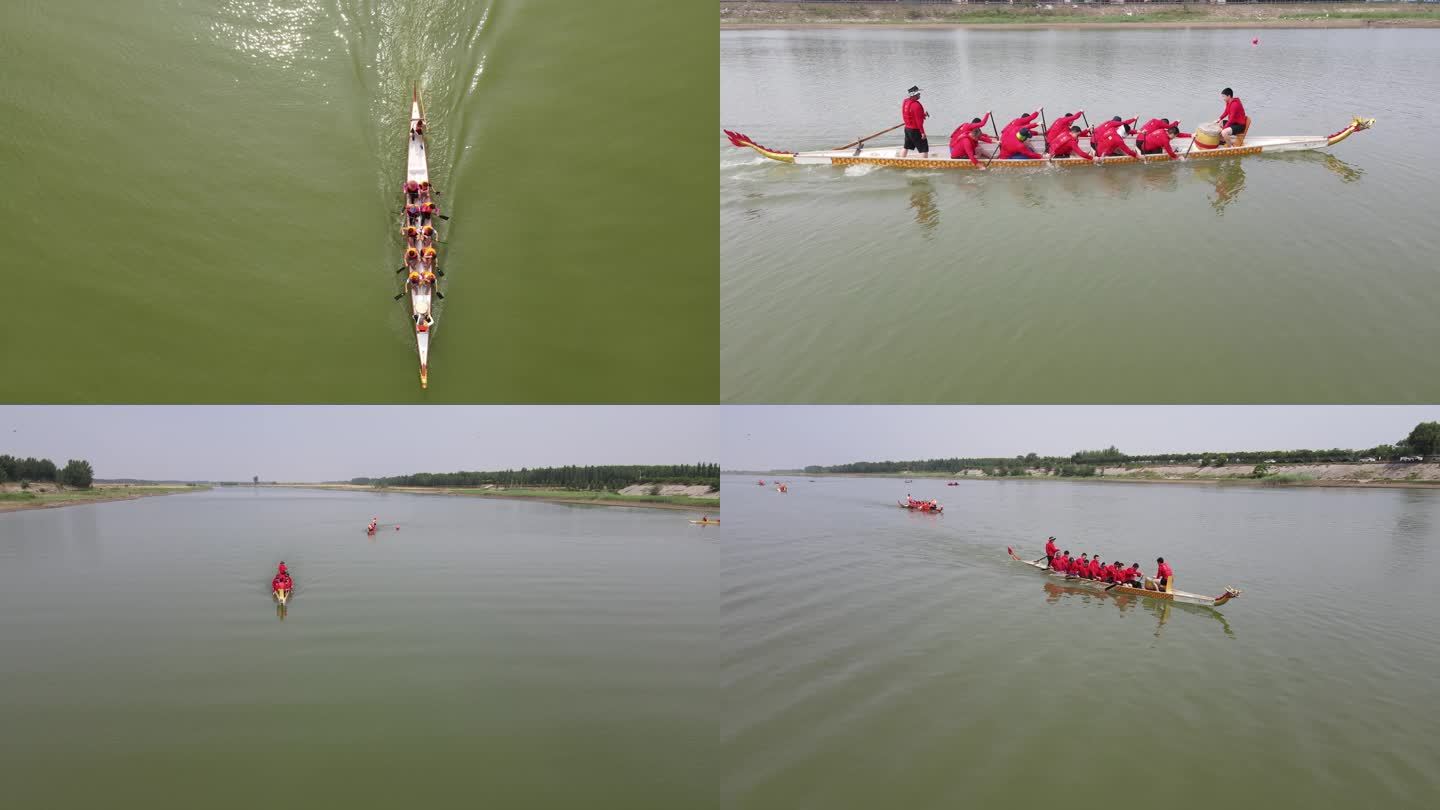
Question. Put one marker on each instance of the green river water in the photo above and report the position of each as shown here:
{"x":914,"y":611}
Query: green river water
{"x":876,"y":657}
{"x":1308,"y":277}
{"x":495,"y":654}
{"x":199,"y":201}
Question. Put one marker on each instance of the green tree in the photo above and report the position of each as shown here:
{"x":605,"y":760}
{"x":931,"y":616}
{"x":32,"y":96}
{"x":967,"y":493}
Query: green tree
{"x":1424,"y":439}
{"x":78,"y":474}
{"x":1260,"y":471}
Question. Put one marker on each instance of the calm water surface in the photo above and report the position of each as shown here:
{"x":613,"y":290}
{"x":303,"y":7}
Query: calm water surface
{"x":207,"y":190}
{"x":503,"y":654}
{"x":1301,"y":278}
{"x":879,"y":658}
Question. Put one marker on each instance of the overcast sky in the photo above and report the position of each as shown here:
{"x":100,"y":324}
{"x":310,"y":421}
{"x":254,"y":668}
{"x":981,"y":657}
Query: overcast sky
{"x":763,"y":437}
{"x":326,"y":443}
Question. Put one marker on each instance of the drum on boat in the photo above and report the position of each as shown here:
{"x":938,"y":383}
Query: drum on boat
{"x":1207,"y":136}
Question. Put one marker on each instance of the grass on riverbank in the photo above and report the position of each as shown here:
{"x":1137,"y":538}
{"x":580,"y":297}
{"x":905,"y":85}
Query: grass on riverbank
{"x":32,"y":498}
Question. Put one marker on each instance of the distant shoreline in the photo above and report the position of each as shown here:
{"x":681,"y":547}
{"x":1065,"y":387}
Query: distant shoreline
{"x":1140,"y":477}
{"x":101,"y":493}
{"x":1071,"y":25}
{"x":572,"y":498}
{"x":740,"y":15}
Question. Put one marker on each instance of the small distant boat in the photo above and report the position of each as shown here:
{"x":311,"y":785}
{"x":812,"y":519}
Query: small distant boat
{"x":706,"y":522}
{"x":1169,"y":595}
{"x":761,"y":482}
{"x":921,"y":507}
{"x":953,"y":484}
{"x":909,"y":480}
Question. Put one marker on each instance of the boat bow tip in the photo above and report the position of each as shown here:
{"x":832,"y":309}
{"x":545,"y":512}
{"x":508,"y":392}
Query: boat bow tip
{"x":1357,"y":124}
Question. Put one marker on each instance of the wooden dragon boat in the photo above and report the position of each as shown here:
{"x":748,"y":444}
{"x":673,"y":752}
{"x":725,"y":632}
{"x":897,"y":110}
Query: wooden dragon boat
{"x":1169,"y":595}
{"x":863,"y":155}
{"x":921,"y":507}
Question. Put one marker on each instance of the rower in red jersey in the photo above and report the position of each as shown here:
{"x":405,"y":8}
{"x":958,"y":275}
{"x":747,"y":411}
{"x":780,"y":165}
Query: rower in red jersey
{"x":1158,"y":140}
{"x":1066,"y":143}
{"x":1080,"y":567}
{"x":1014,"y":136}
{"x":1153,"y":123}
{"x":1117,"y":571}
{"x":1109,"y":140}
{"x":964,"y":139}
{"x":1097,"y":568}
{"x":1105,"y":126}
{"x":1133,"y":577}
{"x":1163,"y":574}
{"x":1233,"y":121}
{"x":1050,"y":551}
{"x":1059,"y":125}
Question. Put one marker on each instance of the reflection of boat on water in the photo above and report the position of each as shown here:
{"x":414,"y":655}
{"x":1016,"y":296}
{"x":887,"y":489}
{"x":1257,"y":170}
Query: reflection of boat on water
{"x":1348,"y":173}
{"x":922,"y":200}
{"x":890,"y":155}
{"x":1126,"y":603}
{"x":1228,"y":178}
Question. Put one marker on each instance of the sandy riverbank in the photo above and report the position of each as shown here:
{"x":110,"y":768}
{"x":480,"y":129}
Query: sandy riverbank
{"x":665,"y":500}
{"x":48,"y":496}
{"x":1374,"y":475}
{"x":741,"y":15}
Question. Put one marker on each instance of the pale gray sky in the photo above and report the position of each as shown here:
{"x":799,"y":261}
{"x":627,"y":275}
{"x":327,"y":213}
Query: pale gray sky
{"x":765,"y":437}
{"x":319,"y":443}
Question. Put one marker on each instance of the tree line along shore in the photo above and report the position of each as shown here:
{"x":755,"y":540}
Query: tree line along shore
{"x":1411,"y":461}
{"x":38,"y":484}
{"x":674,"y":486}
{"x":844,"y":13}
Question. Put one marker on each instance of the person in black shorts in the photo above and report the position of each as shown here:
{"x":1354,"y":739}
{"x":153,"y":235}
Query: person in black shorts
{"x":913,"y":114}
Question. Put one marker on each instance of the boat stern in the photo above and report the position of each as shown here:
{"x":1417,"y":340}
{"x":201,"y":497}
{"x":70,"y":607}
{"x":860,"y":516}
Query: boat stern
{"x":743,"y":142}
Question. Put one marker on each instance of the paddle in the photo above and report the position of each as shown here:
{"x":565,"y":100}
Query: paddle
{"x":1192,"y":142}
{"x":863,"y":140}
{"x":1044,"y":131}
{"x":996,"y":130}
{"x":1141,"y":154}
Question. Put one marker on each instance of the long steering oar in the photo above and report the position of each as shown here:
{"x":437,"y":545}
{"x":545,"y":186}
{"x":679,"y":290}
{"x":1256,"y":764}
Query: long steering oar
{"x":876,"y":135}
